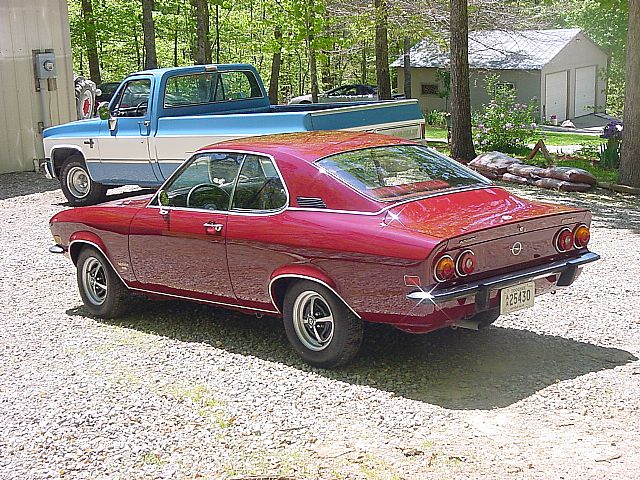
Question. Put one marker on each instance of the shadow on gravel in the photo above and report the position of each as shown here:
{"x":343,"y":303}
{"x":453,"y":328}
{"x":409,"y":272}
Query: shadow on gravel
{"x":610,"y":209}
{"x":119,"y":195}
{"x":454,"y":369}
{"x":25,"y":183}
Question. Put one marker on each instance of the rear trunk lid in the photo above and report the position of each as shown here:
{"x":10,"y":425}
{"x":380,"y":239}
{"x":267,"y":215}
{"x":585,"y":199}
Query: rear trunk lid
{"x":502,"y":229}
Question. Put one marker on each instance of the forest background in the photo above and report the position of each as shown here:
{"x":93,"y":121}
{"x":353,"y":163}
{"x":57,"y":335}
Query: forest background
{"x":296,"y":43}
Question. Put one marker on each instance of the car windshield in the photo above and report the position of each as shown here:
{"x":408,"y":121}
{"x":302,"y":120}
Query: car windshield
{"x":399,"y":171}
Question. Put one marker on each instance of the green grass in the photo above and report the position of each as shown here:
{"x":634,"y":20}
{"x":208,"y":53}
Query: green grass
{"x":560,"y":139}
{"x":557,"y":139}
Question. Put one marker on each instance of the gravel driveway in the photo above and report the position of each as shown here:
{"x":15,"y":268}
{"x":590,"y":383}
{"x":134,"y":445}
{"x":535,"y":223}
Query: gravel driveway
{"x":178,"y":390}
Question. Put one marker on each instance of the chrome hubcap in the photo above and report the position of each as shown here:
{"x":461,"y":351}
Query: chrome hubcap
{"x":78,"y":182}
{"x":94,"y":281}
{"x":313,"y":321}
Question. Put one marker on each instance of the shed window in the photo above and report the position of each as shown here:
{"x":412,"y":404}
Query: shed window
{"x":429,"y":89}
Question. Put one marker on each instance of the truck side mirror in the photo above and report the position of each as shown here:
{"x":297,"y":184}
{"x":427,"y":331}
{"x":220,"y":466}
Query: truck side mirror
{"x":103,"y":111}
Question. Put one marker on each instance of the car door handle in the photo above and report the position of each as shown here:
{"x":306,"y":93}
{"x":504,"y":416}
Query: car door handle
{"x":212,"y":228}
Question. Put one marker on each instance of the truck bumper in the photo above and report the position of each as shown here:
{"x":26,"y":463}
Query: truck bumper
{"x":481,"y":290}
{"x":47,"y":167}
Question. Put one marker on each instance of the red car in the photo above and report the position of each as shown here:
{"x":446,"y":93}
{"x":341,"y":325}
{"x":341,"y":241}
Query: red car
{"x":327,"y":230}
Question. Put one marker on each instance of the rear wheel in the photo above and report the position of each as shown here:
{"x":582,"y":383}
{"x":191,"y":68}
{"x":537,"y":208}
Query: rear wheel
{"x":102,"y":291}
{"x":319,"y":326}
{"x":77,"y":185}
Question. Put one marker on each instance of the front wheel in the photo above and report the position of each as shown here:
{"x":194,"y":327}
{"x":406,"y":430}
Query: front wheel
{"x":77,"y":184}
{"x":102,"y":291}
{"x":319,"y":326}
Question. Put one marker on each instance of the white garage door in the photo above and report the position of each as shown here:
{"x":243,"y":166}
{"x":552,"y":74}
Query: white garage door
{"x":556,"y":95}
{"x":585,"y":90}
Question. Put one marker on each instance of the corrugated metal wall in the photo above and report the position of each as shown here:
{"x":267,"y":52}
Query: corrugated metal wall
{"x":25,"y":26}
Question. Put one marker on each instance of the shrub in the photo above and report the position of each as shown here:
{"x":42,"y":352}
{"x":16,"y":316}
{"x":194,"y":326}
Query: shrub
{"x":503,"y":124}
{"x":436,"y":118}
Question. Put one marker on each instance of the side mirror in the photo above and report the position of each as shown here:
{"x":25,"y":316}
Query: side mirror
{"x":103,"y":111}
{"x":163,"y":201}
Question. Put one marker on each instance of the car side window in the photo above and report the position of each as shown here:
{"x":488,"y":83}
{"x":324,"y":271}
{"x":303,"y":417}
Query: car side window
{"x":205,"y":182}
{"x":133,"y":100}
{"x":259,"y":186}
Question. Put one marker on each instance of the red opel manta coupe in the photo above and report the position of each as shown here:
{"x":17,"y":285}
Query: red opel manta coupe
{"x":327,"y":230}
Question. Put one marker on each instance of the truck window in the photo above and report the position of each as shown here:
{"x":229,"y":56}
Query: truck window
{"x":134,"y":99}
{"x":210,"y":87}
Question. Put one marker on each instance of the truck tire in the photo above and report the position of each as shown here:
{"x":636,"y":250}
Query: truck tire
{"x":85,"y":97}
{"x":77,"y":185}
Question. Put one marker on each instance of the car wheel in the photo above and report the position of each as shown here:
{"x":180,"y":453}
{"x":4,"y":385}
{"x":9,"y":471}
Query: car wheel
{"x":77,"y":184}
{"x":102,"y":291}
{"x":319,"y":326}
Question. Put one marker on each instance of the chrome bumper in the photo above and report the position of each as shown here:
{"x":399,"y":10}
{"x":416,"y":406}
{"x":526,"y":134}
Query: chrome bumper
{"x":47,"y":166}
{"x":56,"y":249}
{"x":567,"y":269}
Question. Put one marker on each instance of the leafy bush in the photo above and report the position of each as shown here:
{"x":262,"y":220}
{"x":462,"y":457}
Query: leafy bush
{"x":503,"y":124}
{"x":436,"y":118}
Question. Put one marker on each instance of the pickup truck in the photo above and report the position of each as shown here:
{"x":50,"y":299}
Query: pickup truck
{"x":158,"y":118}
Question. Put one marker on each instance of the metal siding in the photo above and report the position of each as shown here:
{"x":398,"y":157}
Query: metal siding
{"x":27,"y":25}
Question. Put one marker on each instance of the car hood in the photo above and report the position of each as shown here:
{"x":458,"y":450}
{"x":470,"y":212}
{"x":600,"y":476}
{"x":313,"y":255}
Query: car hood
{"x":458,"y":213}
{"x":301,"y":98}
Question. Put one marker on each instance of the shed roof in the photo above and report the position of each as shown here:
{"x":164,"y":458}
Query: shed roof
{"x":498,"y":49}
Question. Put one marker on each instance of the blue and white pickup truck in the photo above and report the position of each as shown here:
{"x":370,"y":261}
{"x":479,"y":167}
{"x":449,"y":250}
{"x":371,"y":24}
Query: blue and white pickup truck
{"x":157,"y":118}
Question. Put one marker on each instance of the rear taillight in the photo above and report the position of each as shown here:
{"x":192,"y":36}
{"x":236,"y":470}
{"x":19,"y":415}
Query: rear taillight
{"x":564,"y":240}
{"x":466,"y":263}
{"x":581,"y":236}
{"x":444,"y":269}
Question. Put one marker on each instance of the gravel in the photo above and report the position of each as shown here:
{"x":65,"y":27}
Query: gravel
{"x":178,"y":390}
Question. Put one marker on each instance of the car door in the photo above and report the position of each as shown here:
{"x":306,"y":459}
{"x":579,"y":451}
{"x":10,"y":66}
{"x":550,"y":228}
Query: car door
{"x":178,"y":247}
{"x":257,"y":236}
{"x":124,"y":138}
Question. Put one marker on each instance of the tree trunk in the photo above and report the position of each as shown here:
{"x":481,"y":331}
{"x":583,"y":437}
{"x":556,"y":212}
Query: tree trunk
{"x":407,"y":67}
{"x":364,"y":64}
{"x":382,"y":50}
{"x":313,"y":67}
{"x":203,"y":46}
{"x":149,"y":31}
{"x":175,"y":38}
{"x":461,"y":137}
{"x":276,"y":63}
{"x":629,"y":173}
{"x":217,"y":33}
{"x":92,"y":43}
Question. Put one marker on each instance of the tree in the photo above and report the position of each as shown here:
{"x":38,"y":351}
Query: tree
{"x":276,"y":63}
{"x":629,"y":173}
{"x":382,"y":50}
{"x":92,"y":43}
{"x":311,"y":47}
{"x":461,"y":136}
{"x":149,"y":31}
{"x":203,"y":44}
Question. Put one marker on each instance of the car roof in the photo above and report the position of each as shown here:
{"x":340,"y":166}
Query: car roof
{"x":309,"y":146}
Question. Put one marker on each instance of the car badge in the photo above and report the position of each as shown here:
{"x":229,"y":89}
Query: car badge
{"x":516,"y":248}
{"x":520,"y":228}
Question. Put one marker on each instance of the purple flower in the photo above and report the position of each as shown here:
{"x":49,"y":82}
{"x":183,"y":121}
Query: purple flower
{"x":508,"y":126}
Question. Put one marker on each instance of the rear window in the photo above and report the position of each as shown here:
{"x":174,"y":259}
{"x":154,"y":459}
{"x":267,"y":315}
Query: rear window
{"x":399,"y":171}
{"x":210,"y":87}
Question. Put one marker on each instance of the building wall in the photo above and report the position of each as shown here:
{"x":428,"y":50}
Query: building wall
{"x":581,"y":52}
{"x":25,"y":26}
{"x":526,"y":83}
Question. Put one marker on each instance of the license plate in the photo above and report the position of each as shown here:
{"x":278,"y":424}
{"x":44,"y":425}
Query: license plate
{"x":517,"y":297}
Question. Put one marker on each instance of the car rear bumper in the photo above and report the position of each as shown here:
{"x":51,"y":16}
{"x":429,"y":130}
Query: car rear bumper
{"x":567,"y":271}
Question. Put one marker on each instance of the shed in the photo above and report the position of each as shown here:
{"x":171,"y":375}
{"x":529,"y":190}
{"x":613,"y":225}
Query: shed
{"x":34,"y":41}
{"x":562,"y":68}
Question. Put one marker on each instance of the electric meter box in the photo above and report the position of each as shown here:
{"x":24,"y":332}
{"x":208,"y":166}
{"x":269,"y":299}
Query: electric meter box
{"x":45,"y":65}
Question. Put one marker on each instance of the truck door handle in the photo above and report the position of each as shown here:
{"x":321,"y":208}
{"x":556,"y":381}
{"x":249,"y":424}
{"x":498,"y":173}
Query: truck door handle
{"x":146,"y":123}
{"x":212,"y":228}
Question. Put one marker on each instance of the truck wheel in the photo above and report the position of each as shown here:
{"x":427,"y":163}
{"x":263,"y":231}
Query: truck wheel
{"x":85,"y":97}
{"x":102,"y":292}
{"x":319,"y":326}
{"x":77,"y":184}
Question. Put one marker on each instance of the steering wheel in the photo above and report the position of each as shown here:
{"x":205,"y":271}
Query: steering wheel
{"x":206,"y":185}
{"x":140,"y":107}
